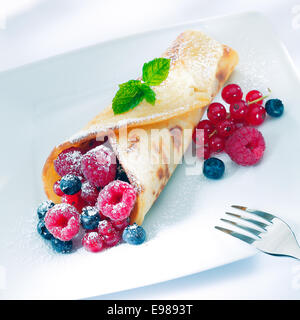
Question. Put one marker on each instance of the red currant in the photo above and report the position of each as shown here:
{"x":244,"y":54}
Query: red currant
{"x":216,"y":144}
{"x":89,"y":193}
{"x":203,"y":152}
{"x":202,"y":132}
{"x":112,"y":239}
{"x":216,"y":112}
{"x":74,"y":200}
{"x":256,"y":115}
{"x":93,"y":242}
{"x":239,"y":110}
{"x":253,"y":95}
{"x":120,"y":225}
{"x":200,"y":137}
{"x":226,"y":128}
{"x":56,"y":189}
{"x":103,"y":217}
{"x":232,"y":93}
{"x":105,"y":227}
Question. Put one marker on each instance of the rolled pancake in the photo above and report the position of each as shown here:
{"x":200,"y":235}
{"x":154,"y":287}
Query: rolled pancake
{"x":199,"y":67}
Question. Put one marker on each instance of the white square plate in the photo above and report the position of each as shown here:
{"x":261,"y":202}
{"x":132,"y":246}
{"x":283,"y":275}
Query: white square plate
{"x":45,"y":102}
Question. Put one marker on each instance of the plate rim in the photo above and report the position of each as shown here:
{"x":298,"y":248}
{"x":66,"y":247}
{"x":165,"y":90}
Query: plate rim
{"x":153,"y":30}
{"x":141,"y":34}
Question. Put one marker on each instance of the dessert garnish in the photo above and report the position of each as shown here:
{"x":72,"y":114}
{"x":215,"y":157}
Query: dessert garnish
{"x":132,"y":92}
{"x":234,"y":132}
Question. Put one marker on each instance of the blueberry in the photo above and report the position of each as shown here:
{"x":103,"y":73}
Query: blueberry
{"x":134,"y":234}
{"x":274,"y":108}
{"x":121,"y":174}
{"x":62,"y":246}
{"x":43,"y":231}
{"x":44,"y":207}
{"x":90,"y":218}
{"x":213,"y":168}
{"x":70,"y":184}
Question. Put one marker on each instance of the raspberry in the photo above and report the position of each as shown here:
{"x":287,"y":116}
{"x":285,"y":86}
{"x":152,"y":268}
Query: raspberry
{"x":246,"y":146}
{"x":62,"y":221}
{"x":99,"y":166}
{"x":93,"y":241}
{"x":89,"y":193}
{"x":92,"y":144}
{"x":116,"y":200}
{"x":68,"y":161}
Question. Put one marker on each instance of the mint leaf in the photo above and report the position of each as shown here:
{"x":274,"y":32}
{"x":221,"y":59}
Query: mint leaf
{"x":127,"y":97}
{"x":132,"y":92}
{"x":156,"y":71}
{"x":130,"y":83}
{"x":149,"y":94}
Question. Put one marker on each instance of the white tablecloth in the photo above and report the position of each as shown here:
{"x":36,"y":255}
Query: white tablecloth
{"x":31,"y":30}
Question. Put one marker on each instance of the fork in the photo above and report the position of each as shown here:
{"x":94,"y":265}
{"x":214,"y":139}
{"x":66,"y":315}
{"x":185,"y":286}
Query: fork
{"x":273,"y":236}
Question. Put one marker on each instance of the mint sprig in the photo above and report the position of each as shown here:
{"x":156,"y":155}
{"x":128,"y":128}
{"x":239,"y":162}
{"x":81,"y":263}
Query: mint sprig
{"x":127,"y":97}
{"x":132,"y":92}
{"x":156,"y":71}
{"x":149,"y":94}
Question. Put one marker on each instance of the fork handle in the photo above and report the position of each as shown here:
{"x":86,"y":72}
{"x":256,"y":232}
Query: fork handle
{"x":294,"y":253}
{"x":296,"y":256}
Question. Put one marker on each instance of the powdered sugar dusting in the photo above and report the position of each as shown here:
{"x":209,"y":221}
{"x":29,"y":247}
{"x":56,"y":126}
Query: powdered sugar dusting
{"x":99,"y":166}
{"x":254,"y":69}
{"x":68,"y":161}
{"x":89,"y":193}
{"x":92,"y":235}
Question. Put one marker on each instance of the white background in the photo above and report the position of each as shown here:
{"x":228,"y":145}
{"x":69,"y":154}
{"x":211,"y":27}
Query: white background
{"x":31,"y":30}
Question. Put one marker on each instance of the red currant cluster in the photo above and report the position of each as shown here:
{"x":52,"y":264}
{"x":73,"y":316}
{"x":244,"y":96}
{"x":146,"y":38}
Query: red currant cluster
{"x":221,"y":124}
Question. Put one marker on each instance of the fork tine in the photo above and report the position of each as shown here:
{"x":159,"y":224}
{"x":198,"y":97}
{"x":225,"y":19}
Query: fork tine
{"x":267,"y":216}
{"x":248,"y":229}
{"x":236,"y":235}
{"x":255,"y":222}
